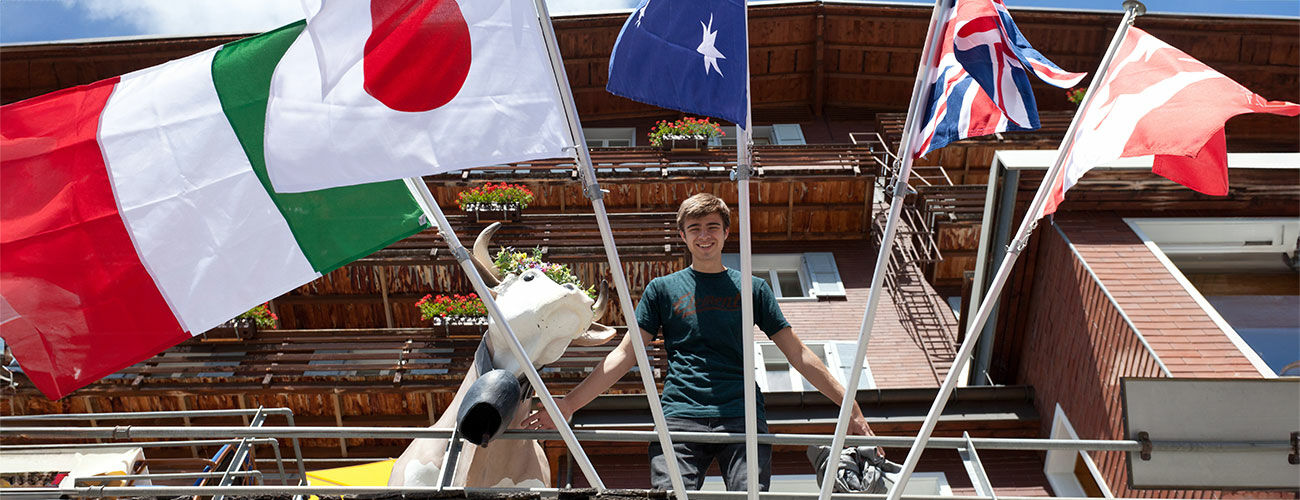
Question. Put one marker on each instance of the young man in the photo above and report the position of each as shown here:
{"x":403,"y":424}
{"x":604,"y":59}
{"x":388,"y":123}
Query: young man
{"x":698,"y":311}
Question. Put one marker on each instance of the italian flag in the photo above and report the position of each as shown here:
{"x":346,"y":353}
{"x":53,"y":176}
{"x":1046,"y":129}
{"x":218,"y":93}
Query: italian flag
{"x":136,"y":212}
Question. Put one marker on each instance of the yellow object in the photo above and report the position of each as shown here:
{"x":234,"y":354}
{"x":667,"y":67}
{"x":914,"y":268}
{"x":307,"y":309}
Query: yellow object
{"x":371,"y":474}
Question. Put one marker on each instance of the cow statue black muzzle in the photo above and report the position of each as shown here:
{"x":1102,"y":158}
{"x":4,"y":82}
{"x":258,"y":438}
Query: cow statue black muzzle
{"x":491,"y":401}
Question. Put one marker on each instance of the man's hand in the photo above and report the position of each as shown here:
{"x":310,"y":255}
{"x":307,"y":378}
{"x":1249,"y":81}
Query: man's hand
{"x":858,"y":426}
{"x":540,"y":419}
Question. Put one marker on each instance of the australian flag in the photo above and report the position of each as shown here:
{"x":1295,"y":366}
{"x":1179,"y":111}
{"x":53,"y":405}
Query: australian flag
{"x":979,"y":78}
{"x":684,"y":55}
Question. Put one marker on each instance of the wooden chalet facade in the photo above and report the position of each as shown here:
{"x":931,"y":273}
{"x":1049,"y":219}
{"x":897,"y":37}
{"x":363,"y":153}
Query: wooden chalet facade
{"x":352,"y":351}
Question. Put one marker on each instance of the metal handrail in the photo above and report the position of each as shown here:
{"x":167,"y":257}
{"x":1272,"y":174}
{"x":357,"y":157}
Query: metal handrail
{"x":256,"y":474}
{"x":630,"y":436}
{"x":107,"y":491}
{"x":122,"y":432}
{"x":147,"y":414}
{"x":266,"y":434}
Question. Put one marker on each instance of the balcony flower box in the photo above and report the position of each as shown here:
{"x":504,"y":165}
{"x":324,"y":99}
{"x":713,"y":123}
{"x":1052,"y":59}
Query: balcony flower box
{"x":497,"y":202}
{"x":245,"y":325}
{"x":685,"y":144}
{"x":494,"y":211}
{"x":459,"y":321}
{"x":235,"y":329}
{"x":686,"y":134}
{"x":452,"y":311}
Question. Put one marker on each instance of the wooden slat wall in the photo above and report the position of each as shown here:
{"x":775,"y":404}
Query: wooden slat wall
{"x":807,"y":59}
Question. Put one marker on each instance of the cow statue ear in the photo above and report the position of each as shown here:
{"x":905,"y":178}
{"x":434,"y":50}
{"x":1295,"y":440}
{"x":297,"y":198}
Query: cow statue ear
{"x":596,"y":334}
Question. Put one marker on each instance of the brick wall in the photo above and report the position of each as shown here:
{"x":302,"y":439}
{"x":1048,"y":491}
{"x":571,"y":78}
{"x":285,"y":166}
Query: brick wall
{"x":1182,"y":334}
{"x":897,"y":356}
{"x":1074,"y":346}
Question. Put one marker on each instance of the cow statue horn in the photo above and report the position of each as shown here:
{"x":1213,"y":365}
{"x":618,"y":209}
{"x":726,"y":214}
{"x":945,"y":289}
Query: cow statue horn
{"x":602,"y":302}
{"x":482,"y":261}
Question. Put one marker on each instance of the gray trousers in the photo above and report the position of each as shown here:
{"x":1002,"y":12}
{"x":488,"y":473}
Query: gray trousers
{"x":693,"y":459}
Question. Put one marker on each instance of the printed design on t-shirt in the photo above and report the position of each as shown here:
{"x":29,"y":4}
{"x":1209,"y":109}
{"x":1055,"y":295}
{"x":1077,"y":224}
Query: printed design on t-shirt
{"x":687,"y":305}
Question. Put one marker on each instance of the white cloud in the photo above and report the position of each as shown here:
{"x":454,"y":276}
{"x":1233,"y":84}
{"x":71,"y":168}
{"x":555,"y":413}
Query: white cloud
{"x":191,"y":17}
{"x":559,"y":7}
{"x":196,"y":17}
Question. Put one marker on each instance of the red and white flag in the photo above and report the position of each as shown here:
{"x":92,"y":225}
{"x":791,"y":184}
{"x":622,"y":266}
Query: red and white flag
{"x":389,"y":89}
{"x":1157,"y":100}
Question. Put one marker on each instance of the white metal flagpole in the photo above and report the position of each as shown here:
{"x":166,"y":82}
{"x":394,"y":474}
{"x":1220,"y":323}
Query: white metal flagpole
{"x":591,"y":188}
{"x":904,"y":166}
{"x":744,"y":169}
{"x":517,"y":349}
{"x":1132,"y":9}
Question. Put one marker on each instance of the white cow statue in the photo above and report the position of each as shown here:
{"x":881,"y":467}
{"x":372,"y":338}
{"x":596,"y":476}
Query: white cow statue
{"x":546,"y":317}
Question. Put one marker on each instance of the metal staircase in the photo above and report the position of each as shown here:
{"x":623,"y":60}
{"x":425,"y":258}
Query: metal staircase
{"x":920,"y":310}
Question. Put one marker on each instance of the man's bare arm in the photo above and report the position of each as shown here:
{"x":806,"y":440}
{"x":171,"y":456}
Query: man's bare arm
{"x":605,"y":374}
{"x":811,"y":367}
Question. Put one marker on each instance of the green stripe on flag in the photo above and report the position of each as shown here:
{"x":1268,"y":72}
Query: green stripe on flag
{"x":332,"y":226}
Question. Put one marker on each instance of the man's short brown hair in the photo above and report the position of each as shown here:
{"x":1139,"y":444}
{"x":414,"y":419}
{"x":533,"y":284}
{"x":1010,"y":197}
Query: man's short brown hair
{"x":700,"y":205}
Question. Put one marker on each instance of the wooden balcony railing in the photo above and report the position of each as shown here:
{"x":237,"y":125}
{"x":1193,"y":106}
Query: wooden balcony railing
{"x":655,"y":163}
{"x":287,"y":360}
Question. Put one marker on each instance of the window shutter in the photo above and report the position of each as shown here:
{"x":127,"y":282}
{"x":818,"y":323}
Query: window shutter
{"x":731,"y":260}
{"x":820,"y":269}
{"x":788,"y":133}
{"x":846,"y":351}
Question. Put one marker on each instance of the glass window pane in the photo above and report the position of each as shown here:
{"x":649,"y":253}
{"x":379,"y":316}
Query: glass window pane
{"x":595,"y":143}
{"x":1278,"y":347}
{"x":790,"y":285}
{"x":778,"y":380}
{"x":1268,"y":324}
{"x":765,"y":274}
{"x":776,"y":367}
{"x":619,"y":143}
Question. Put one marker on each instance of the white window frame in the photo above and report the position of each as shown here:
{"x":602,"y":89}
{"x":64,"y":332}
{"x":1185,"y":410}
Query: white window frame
{"x":835,"y":363}
{"x":1221,"y":235}
{"x":1135,"y":224}
{"x":1058,"y":466}
{"x":774,"y":263}
{"x":765,"y":132}
{"x":760,"y":132}
{"x":600,"y":137}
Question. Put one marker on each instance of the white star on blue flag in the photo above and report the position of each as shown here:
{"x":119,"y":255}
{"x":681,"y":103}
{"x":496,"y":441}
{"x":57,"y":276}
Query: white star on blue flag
{"x":657,"y":57}
{"x":711,"y":54}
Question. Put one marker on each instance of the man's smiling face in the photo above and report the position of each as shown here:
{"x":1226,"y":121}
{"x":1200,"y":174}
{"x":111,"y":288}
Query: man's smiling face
{"x":705,"y":237}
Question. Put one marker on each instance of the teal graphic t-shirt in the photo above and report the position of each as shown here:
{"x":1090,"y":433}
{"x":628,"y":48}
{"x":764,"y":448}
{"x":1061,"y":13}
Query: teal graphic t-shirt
{"x":698,"y":315}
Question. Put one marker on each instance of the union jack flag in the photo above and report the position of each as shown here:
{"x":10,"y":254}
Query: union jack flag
{"x":979,"y":77}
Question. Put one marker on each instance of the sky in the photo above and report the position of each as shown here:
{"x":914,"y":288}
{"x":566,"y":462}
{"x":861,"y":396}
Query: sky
{"x":51,"y":20}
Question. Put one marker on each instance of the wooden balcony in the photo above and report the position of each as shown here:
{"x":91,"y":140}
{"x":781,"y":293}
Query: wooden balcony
{"x":287,"y":361}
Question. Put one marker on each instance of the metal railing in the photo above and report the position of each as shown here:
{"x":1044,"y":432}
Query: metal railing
{"x":244,"y":445}
{"x":254,"y":434}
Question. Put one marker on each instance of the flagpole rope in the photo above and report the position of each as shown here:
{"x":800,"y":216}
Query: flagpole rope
{"x":1132,"y":9}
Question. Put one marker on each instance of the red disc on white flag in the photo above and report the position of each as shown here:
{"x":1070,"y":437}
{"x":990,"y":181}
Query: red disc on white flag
{"x":418,"y":53}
